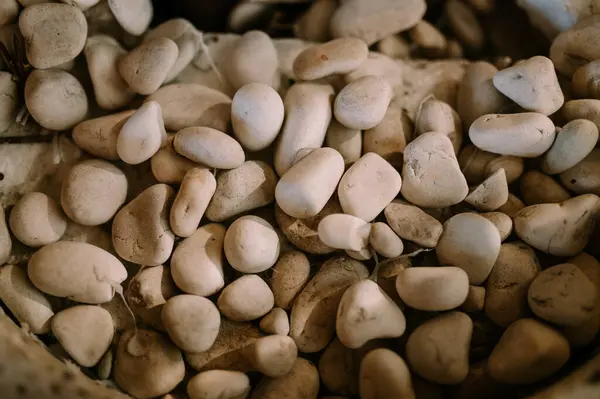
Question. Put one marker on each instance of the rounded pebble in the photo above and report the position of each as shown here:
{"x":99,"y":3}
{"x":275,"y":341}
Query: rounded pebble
{"x":362,"y":104}
{"x":133,"y":15}
{"x":37,"y":220}
{"x":142,"y":135}
{"x":219,"y":384}
{"x":210,"y":147}
{"x":573,"y":143}
{"x":196,"y":189}
{"x":251,"y":245}
{"x":246,"y":298}
{"x":336,"y":57}
{"x":252,"y":59}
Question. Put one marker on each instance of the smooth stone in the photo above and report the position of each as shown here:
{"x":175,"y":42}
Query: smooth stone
{"x":142,"y":135}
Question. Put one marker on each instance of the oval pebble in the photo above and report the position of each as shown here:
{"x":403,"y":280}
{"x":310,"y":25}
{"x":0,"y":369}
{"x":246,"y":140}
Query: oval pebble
{"x":246,"y":298}
{"x":99,"y":136}
{"x":290,"y":274}
{"x":37,"y":220}
{"x":169,"y":167}
{"x":86,"y":349}
{"x":133,"y":15}
{"x":210,"y":147}
{"x":142,"y":135}
{"x":336,"y":57}
{"x":362,"y":103}
{"x":196,"y":189}
{"x":384,"y":241}
{"x":343,"y":231}
{"x":251,"y":244}
{"x":93,"y":191}
{"x":412,"y":223}
{"x":573,"y":143}
{"x":219,"y":384}
{"x":252,"y":59}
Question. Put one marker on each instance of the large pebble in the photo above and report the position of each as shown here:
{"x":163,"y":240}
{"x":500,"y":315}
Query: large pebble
{"x":573,"y":143}
{"x":197,"y":262}
{"x":142,"y":135}
{"x":76,"y":270}
{"x":189,"y":104}
{"x":384,"y":374}
{"x":526,"y":135}
{"x":37,"y":220}
{"x":8,"y":100}
{"x":337,"y":57}
{"x":54,"y":34}
{"x":93,"y":191}
{"x":196,"y":189}
{"x":99,"y":136}
{"x":256,"y":115}
{"x":562,"y":295}
{"x":438,"y":350}
{"x":508,"y":283}
{"x":210,"y":147}
{"x":413,"y":224}
{"x":191,"y":321}
{"x":55,"y":99}
{"x":562,"y":229}
{"x":362,"y":104}
{"x":471,"y":242}
{"x":219,"y":384}
{"x":304,"y":190}
{"x":251,"y":244}
{"x":253,"y":59}
{"x":147,"y":364}
{"x":242,"y":189}
{"x":102,"y":54}
{"x":368,"y":186}
{"x":88,"y":348}
{"x":308,"y":114}
{"x":431,"y":175}
{"x":146,"y":67}
{"x":343,"y":231}
{"x":26,"y":303}
{"x":373,"y":20}
{"x":532,"y":84}
{"x":433,"y":289}
{"x":169,"y":167}
{"x":133,"y":15}
{"x":527,"y":352}
{"x":246,"y":298}
{"x":185,"y":36}
{"x":290,"y":274}
{"x":141,"y":232}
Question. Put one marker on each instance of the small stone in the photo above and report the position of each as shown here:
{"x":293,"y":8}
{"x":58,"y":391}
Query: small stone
{"x":169,"y":167}
{"x":475,"y":301}
{"x":337,"y":57}
{"x":251,"y":244}
{"x":9,"y":10}
{"x":276,"y":322}
{"x":491,"y":194}
{"x":362,"y":104}
{"x":5,"y":240}
{"x":246,"y":298}
{"x":8,"y":100}
{"x":54,"y":34}
{"x":413,"y":224}
{"x":55,"y":98}
{"x":142,"y":135}
{"x":37,"y":220}
{"x":133,"y":15}
{"x":253,"y":59}
{"x":85,"y":332}
{"x":146,"y":67}
{"x":348,"y":142}
{"x":384,"y":241}
{"x":210,"y":147}
{"x":99,"y":136}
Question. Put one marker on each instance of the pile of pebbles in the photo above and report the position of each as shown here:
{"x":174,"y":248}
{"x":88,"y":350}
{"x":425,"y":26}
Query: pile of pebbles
{"x":233,"y":215}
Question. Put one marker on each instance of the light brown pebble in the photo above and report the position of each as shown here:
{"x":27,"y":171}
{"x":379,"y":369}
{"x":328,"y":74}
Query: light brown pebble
{"x":8,"y":100}
{"x":464,"y":24}
{"x":508,"y":283}
{"x":532,"y":84}
{"x":246,"y":298}
{"x":525,"y":135}
{"x":582,"y":109}
{"x":384,"y":374}
{"x":250,"y":186}
{"x":394,"y":46}
{"x":210,"y":147}
{"x":27,"y":304}
{"x":142,"y":135}
{"x":583,"y":178}
{"x":141,"y":232}
{"x":491,"y":194}
{"x":339,"y":368}
{"x":362,"y":104}
{"x":512,"y":206}
{"x":86,"y":349}
{"x":197,"y":262}
{"x":576,"y":46}
{"x":55,"y":99}
{"x":342,"y":231}
{"x":585,"y":80}
{"x":189,"y":104}
{"x":313,"y":25}
{"x":437,"y":116}
{"x":348,"y":142}
{"x":471,"y":242}
{"x":151,"y":287}
{"x":147,"y":364}
{"x":99,"y":136}
{"x":275,"y":322}
{"x":428,"y":38}
{"x":513,"y":167}
{"x":80,"y":271}
{"x":219,"y":384}
{"x":336,"y":57}
{"x":251,"y":244}
{"x":374,"y":20}
{"x":104,"y":367}
{"x":368,"y":186}
{"x":438,"y":350}
{"x":102,"y":54}
{"x":539,"y":188}
{"x":133,"y":15}
{"x":527,"y":352}
{"x":302,"y":383}
{"x":384,"y":241}
{"x":413,"y":224}
{"x":9,"y":10}
{"x":146,"y":67}
{"x":191,"y":321}
{"x":573,"y":143}
{"x":433,"y":288}
{"x":502,"y":221}
{"x":169,"y":167}
{"x":93,"y":191}
{"x":475,"y":301}
{"x":431,"y":175}
{"x":197,"y":188}
{"x":290,"y":274}
{"x":37,"y":220}
{"x":562,"y":295}
{"x":54,"y":34}
{"x":252,"y":59}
